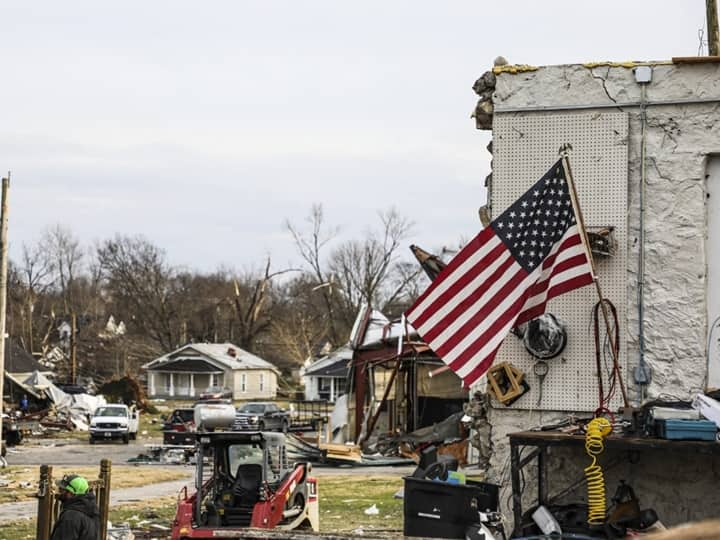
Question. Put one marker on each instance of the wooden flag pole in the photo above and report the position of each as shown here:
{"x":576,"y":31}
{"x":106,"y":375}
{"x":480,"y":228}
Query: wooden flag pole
{"x":583,"y":236}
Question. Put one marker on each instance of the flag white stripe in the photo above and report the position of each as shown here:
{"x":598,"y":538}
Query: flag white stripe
{"x":464,"y":293}
{"x":557,"y":279}
{"x":460,"y":320}
{"x":497,"y":313}
{"x":466,"y":368}
{"x":457,"y":274}
{"x":481,"y":302}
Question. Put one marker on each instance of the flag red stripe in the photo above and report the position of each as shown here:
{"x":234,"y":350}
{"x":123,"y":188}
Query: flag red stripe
{"x":474,"y":321}
{"x":463,"y":255}
{"x":481,"y":368}
{"x":448,"y":296}
{"x":463,"y":304}
{"x":557,"y":290}
{"x":562,"y":266}
{"x":569,"y":285}
{"x":493,"y":329}
{"x":569,"y":242}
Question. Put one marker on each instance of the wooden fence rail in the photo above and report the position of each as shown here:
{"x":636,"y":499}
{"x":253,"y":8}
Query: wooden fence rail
{"x":49,"y":499}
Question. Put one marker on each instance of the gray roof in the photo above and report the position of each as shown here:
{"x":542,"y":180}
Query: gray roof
{"x":18,"y":360}
{"x":217,"y":352}
{"x":335,"y":364}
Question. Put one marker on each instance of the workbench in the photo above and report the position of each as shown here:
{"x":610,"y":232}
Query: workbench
{"x":542,"y":440}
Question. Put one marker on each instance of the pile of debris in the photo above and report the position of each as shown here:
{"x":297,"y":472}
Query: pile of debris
{"x":449,"y":437}
{"x":54,"y":409}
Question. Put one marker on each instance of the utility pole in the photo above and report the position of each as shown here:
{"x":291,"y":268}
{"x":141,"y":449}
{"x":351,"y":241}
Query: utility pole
{"x":712,"y":27}
{"x":3,"y":287}
{"x":73,"y":349}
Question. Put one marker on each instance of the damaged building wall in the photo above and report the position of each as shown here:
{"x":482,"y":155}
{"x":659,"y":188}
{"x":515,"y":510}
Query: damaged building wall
{"x":681,"y":131}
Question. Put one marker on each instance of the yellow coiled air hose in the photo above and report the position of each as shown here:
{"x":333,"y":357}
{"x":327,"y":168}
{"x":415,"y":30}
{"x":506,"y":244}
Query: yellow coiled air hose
{"x":596,"y":430}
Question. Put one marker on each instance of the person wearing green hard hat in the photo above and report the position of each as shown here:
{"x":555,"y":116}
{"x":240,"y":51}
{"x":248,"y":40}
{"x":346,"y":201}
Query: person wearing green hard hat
{"x":79,"y":517}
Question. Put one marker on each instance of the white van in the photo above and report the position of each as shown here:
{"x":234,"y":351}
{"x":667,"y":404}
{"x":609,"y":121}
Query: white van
{"x":114,"y":421}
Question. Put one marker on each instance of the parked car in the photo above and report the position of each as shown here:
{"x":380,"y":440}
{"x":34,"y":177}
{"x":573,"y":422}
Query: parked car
{"x":262,"y":416}
{"x":215,"y":392}
{"x":116,"y":421}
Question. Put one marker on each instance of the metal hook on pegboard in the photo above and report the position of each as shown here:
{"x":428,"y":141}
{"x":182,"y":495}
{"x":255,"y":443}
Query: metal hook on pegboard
{"x":565,"y":149}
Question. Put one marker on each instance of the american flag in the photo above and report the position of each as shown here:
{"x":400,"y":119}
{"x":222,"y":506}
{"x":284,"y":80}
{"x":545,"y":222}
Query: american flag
{"x":504,"y":277}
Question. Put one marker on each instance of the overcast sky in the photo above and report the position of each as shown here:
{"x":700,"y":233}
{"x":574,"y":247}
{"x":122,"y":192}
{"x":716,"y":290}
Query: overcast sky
{"x":204,"y":125}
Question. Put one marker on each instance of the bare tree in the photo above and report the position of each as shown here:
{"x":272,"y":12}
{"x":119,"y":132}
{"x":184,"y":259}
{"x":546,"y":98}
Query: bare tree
{"x":66,"y":258}
{"x":370,"y":270}
{"x":140,"y":280}
{"x":251,"y":301}
{"x":311,"y":245}
{"x":36,"y":274}
{"x":299,"y":335}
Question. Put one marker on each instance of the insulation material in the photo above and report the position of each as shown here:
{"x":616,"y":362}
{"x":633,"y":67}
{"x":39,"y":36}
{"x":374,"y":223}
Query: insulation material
{"x":524,"y":147}
{"x":381,"y":378}
{"x":444,"y":385}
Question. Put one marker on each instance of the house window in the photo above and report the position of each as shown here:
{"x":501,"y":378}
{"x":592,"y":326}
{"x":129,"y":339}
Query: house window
{"x":216,"y":379}
{"x":324,"y":388}
{"x":339,"y":387}
{"x":262,"y":382}
{"x":243,"y":382}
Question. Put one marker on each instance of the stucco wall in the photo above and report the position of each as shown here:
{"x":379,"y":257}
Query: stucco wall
{"x":679,"y":137}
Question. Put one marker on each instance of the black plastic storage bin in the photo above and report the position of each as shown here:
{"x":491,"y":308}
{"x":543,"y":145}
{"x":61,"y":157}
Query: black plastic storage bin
{"x":442,"y":510}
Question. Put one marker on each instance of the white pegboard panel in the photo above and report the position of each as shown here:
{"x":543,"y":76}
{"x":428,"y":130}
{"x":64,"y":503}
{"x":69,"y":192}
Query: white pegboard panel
{"x":524,"y":148}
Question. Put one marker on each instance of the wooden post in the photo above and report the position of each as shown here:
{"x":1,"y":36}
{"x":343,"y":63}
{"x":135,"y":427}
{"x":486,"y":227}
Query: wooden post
{"x":583,"y":237}
{"x":3,"y":287}
{"x":104,"y":495}
{"x":712,"y":27}
{"x":375,"y":416}
{"x":45,"y":503}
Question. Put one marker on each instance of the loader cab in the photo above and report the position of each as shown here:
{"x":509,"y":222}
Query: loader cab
{"x":243,"y":479}
{"x":235,"y":471}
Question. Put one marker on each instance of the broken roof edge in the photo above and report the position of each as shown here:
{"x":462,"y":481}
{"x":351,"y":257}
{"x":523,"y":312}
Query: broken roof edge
{"x":514,"y":69}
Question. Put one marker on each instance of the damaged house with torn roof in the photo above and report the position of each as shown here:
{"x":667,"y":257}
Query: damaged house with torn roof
{"x":392,"y":391}
{"x":645,"y":140}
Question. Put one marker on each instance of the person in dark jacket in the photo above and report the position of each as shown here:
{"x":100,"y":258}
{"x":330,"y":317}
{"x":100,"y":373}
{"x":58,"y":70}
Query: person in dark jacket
{"x":79,"y":516}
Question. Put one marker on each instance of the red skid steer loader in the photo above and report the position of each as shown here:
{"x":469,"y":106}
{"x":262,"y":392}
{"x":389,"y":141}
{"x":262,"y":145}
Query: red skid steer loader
{"x":242,"y":479}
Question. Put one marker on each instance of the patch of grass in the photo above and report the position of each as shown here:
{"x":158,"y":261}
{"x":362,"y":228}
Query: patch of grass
{"x":343,"y":501}
{"x":136,"y":514}
{"x":23,"y":481}
{"x":159,"y":510}
{"x":18,"y":530}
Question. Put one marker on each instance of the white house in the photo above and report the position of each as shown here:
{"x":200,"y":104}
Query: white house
{"x":197,"y":367}
{"x":326,"y":378}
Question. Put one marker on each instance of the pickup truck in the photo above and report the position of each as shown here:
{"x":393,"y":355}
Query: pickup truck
{"x":116,"y":421}
{"x":261,"y":416}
